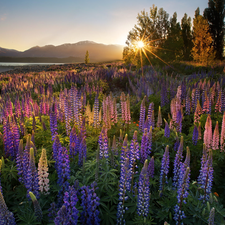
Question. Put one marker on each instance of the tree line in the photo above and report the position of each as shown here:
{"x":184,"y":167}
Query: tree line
{"x":168,"y":40}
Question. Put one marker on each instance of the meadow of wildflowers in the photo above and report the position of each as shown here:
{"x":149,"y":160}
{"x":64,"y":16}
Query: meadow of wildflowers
{"x":102,"y":144}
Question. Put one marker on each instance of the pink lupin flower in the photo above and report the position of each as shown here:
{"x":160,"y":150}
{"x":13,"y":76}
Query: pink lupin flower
{"x":198,"y":112}
{"x":222,"y":137}
{"x":218,"y":104}
{"x":216,"y":136}
{"x":208,"y":133}
{"x":206,"y":104}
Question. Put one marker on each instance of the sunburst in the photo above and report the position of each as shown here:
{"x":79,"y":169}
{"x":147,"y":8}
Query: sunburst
{"x":142,"y":46}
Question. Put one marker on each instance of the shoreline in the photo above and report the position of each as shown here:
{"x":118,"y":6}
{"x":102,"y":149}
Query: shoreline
{"x":6,"y":68}
{"x":54,"y":67}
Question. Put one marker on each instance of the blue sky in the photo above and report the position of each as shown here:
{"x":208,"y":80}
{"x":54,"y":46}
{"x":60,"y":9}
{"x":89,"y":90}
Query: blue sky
{"x":27,"y":23}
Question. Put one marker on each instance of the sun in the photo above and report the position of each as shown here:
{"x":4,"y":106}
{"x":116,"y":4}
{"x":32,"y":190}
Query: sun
{"x":140,"y":44}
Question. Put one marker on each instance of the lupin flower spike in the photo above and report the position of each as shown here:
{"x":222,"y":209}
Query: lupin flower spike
{"x":43,"y":173}
{"x":143,"y":192}
{"x":6,"y":217}
{"x":164,"y":169}
{"x":37,"y":208}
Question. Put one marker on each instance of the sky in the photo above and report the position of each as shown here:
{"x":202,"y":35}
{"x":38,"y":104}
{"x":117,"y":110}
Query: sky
{"x":28,"y":23}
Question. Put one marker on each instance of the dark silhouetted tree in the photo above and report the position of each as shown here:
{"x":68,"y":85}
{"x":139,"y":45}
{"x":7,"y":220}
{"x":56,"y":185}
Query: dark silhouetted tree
{"x":86,"y":59}
{"x":202,"y":50}
{"x":215,"y":15}
{"x":187,"y":36}
{"x":174,"y":41}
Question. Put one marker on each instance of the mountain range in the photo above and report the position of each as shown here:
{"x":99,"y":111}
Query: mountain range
{"x":97,"y":52}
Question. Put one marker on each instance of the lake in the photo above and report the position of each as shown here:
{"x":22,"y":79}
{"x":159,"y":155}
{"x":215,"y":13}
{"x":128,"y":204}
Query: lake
{"x":27,"y":64}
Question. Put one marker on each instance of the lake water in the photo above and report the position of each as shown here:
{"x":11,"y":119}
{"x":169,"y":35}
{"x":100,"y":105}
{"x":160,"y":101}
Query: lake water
{"x":27,"y":64}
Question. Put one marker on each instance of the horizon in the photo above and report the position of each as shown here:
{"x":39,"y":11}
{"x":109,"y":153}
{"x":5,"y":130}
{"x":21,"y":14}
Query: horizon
{"x":25,"y":24}
{"x":61,"y":45}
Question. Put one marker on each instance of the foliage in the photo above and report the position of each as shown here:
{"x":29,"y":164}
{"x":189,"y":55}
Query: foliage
{"x":215,"y":14}
{"x":86,"y":59}
{"x":202,"y":51}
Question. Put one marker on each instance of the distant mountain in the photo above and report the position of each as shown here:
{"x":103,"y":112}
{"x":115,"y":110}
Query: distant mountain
{"x":97,"y":52}
{"x":8,"y":52}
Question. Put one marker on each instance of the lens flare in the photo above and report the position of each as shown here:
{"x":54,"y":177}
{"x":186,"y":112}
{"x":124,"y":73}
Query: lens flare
{"x":140,"y":44}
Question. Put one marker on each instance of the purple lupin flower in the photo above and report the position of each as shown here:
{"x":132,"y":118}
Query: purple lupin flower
{"x":203,"y":161}
{"x":31,"y":179}
{"x":188,"y":105}
{"x":151,"y":116}
{"x":19,"y":160}
{"x":195,"y":135}
{"x":179,"y":118}
{"x":144,"y":147}
{"x":124,"y":150}
{"x":167,"y":130}
{"x":73,"y":143}
{"x":9,"y":144}
{"x":124,"y":186}
{"x":182,"y":193}
{"x":177,"y":143}
{"x":53,"y":121}
{"x":89,"y":202}
{"x":63,"y":171}
{"x":211,"y":216}
{"x":206,"y":178}
{"x":67,"y":116}
{"x":82,"y":152}
{"x":149,"y":143}
{"x":6,"y":137}
{"x":103,"y":144}
{"x":52,"y":211}
{"x":6,"y":217}
{"x":61,"y":217}
{"x":96,"y":112}
{"x":134,"y":154}
{"x":56,"y":147}
{"x":69,"y":213}
{"x":143,"y":192}
{"x":177,"y":163}
{"x":151,"y":168}
{"x":142,"y":115}
{"x":164,"y":169}
{"x":26,"y":156}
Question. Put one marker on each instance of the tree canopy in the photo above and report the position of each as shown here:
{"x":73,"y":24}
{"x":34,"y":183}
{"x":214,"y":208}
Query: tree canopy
{"x":215,"y":15}
{"x":202,"y":50}
{"x":86,"y":59}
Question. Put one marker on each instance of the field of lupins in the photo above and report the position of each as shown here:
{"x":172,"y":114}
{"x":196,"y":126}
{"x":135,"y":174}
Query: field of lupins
{"x":106,"y":145}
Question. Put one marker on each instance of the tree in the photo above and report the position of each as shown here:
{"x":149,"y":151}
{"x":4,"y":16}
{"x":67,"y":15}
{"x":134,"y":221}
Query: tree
{"x":174,"y":41}
{"x":215,"y":14}
{"x":187,"y":36}
{"x":86,"y":59}
{"x":202,"y":40}
{"x":152,"y":29}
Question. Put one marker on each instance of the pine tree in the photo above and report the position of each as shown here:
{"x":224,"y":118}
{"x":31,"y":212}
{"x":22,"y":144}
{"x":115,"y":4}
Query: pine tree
{"x":215,"y":14}
{"x":202,"y":51}
{"x":187,"y":36}
{"x":174,"y":41}
{"x":86,"y":59}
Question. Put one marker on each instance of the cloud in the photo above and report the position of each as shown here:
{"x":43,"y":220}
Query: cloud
{"x":3,"y":17}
